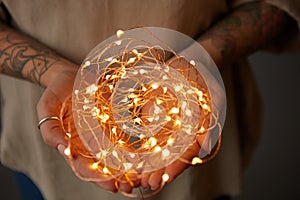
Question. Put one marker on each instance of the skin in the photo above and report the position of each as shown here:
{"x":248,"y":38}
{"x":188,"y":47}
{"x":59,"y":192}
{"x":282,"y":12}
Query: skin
{"x":246,"y":29}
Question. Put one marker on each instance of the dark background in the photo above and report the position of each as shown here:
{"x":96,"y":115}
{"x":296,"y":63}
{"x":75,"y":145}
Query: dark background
{"x":274,"y":172}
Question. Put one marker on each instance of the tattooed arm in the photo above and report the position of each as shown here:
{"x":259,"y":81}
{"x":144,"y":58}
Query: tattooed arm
{"x":243,"y":31}
{"x":248,"y":28}
{"x":23,"y":57}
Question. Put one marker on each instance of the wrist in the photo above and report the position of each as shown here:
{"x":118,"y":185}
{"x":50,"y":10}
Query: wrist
{"x":60,"y":67}
{"x":213,"y":52}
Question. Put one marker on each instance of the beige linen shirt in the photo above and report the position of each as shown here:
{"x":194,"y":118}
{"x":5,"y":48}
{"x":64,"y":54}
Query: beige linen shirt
{"x":73,"y":28}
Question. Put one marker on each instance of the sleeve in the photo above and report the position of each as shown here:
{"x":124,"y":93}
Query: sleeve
{"x":291,"y":39}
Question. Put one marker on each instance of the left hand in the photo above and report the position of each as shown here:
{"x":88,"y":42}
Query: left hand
{"x":154,"y":180}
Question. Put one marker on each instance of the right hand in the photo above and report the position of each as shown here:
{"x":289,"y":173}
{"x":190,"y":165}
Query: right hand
{"x":59,"y":81}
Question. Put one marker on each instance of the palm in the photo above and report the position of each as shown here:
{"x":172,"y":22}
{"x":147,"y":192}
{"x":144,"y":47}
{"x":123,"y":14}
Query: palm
{"x":56,"y":93}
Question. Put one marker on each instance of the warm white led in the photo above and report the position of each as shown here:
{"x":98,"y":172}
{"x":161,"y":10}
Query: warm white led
{"x":105,"y":170}
{"x":155,"y":85}
{"x":127,"y":166}
{"x":91,"y":89}
{"x":196,"y":160}
{"x":165,"y":177}
{"x":87,"y":63}
{"x":165,"y":153}
{"x":67,"y":151}
{"x":174,"y":110}
{"x":120,"y":33}
{"x":95,"y":165}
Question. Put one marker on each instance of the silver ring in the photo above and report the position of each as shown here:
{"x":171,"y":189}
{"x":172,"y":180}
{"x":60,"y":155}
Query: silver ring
{"x":46,"y":119}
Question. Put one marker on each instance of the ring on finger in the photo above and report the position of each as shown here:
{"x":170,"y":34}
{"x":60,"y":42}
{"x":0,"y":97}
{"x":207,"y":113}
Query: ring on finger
{"x":41,"y":121}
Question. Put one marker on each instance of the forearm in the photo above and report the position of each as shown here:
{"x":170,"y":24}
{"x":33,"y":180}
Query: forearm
{"x":23,"y":57}
{"x":244,"y":31}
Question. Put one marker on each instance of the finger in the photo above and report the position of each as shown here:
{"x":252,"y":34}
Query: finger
{"x":61,"y":149}
{"x":155,"y":179}
{"x":175,"y":169}
{"x":80,"y":166}
{"x":178,"y":166}
{"x":107,"y":185}
{"x":51,"y":130}
{"x":52,"y":133}
{"x":125,"y":187}
{"x":144,"y":180}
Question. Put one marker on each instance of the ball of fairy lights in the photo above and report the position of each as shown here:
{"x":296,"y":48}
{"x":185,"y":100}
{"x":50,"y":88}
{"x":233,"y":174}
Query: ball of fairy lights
{"x":138,"y":105}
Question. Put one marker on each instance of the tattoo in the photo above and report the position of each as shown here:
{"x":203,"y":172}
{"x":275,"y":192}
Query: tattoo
{"x":22,"y":57}
{"x":245,"y":30}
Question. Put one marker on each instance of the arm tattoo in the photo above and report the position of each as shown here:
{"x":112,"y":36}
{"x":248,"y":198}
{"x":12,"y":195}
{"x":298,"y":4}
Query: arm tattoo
{"x":246,"y":29}
{"x":22,"y":57}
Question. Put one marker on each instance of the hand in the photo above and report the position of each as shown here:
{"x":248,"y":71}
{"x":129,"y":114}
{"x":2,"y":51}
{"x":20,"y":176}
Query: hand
{"x":154,"y":180}
{"x":59,"y":85}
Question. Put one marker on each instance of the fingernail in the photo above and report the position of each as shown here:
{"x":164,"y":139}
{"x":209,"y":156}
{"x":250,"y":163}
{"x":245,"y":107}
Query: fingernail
{"x":145,"y":187}
{"x":155,"y":187}
{"x":61,"y":148}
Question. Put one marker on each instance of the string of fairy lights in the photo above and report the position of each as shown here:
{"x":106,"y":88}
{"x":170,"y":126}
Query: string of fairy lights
{"x":136,"y":108}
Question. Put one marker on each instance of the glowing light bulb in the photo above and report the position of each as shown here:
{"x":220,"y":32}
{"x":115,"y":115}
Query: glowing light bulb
{"x":196,"y":160}
{"x":68,"y":135}
{"x":165,"y":177}
{"x":170,"y":141}
{"x":138,"y":120}
{"x":192,"y":62}
{"x":202,"y":129}
{"x":98,"y":155}
{"x":158,"y":101}
{"x":183,"y":104}
{"x":104,"y":153}
{"x":177,"y":122}
{"x":109,"y":59}
{"x":87,"y":63}
{"x":150,"y":119}
{"x":132,"y":155}
{"x":106,"y":170}
{"x":94,"y":165}
{"x":154,"y":85}
{"x":188,"y":112}
{"x":131,"y":60}
{"x":174,"y":110}
{"x":142,"y":71}
{"x":156,"y":110}
{"x":127,"y":166}
{"x":67,"y":151}
{"x":111,"y":87}
{"x":152,"y":141}
{"x":177,"y":88}
{"x":165,"y":152}
{"x":165,"y":89}
{"x":120,"y":33}
{"x":119,"y":42}
{"x":115,"y":154}
{"x":168,"y":118}
{"x":114,"y":130}
{"x":157,"y":149}
{"x":91,"y":89}
{"x":188,"y":131}
{"x":121,"y":142}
